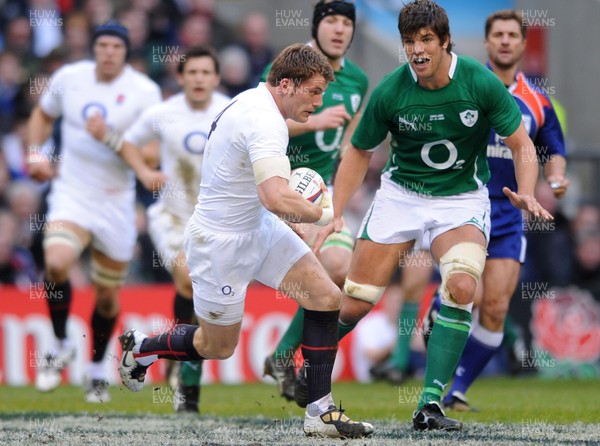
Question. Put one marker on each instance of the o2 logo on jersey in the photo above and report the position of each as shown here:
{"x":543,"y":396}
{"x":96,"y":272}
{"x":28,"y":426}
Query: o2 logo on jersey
{"x":93,"y":109}
{"x":195,"y":142}
{"x":452,"y":160}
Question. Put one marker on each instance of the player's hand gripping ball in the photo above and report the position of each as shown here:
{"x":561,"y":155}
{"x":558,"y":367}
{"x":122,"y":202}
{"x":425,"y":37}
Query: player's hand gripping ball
{"x":308,"y":183}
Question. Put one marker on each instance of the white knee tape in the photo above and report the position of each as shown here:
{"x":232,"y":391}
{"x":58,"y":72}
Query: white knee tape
{"x":63,"y":237}
{"x":368,"y":293}
{"x":465,"y":257}
{"x":108,"y":277}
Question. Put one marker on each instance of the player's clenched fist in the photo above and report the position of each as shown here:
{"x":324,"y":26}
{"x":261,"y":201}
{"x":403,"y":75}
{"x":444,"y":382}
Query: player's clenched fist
{"x":96,"y":126}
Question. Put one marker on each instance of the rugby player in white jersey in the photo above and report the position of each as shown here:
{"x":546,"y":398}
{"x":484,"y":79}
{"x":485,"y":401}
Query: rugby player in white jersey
{"x":181,"y":124}
{"x":92,"y":198}
{"x":235,"y":236}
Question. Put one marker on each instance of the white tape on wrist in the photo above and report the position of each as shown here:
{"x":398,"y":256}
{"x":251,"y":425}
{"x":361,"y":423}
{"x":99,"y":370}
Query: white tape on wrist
{"x":326,"y":217}
{"x":113,"y":140}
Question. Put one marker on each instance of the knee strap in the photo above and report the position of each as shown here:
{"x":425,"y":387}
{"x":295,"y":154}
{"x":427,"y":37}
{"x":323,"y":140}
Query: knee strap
{"x":465,"y":257}
{"x":368,"y":293}
{"x":108,"y":277}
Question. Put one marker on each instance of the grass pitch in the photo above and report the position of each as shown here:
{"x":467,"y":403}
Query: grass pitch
{"x":511,"y":411}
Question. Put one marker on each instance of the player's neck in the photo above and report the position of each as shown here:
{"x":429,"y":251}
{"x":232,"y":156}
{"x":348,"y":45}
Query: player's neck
{"x":336,"y":64}
{"x":107,"y":78}
{"x":440,"y":77}
{"x":198,"y":105}
{"x":276,"y":99}
{"x":506,"y":74}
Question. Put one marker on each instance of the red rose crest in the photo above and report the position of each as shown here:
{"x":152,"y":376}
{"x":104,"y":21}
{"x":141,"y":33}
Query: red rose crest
{"x":568,"y":325}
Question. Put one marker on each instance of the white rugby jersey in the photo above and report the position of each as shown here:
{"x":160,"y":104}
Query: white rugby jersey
{"x":88,"y":165}
{"x":248,"y":129}
{"x":182,"y":132}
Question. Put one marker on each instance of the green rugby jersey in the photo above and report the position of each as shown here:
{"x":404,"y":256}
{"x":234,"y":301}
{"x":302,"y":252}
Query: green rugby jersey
{"x":320,"y":150}
{"x":438,"y":137}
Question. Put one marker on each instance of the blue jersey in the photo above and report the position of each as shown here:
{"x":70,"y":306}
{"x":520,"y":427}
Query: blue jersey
{"x":544,"y":130}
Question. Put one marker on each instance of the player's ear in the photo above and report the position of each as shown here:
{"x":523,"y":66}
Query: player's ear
{"x":446,"y":42}
{"x":285,"y":85}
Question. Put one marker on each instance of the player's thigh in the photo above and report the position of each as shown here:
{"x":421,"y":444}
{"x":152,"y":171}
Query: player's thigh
{"x":375,"y":263}
{"x":466,"y":233}
{"x":308,"y":283}
{"x":63,"y":243}
{"x":181,"y":275}
{"x":417,"y":267}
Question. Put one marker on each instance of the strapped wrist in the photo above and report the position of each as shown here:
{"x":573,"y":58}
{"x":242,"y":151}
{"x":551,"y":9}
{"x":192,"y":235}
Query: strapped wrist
{"x":113,"y":140}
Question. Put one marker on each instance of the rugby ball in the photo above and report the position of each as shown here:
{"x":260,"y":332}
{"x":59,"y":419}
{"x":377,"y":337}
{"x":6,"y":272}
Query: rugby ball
{"x":308,"y":183}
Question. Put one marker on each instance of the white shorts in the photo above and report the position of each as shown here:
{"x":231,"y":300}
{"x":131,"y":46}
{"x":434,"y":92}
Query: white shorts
{"x":222,"y":265}
{"x":166,"y":232}
{"x":398,"y":215}
{"x":109,"y":219}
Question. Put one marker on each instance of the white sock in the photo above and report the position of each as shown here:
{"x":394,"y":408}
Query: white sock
{"x":97,"y":370}
{"x":146,"y":360}
{"x":321,"y":405}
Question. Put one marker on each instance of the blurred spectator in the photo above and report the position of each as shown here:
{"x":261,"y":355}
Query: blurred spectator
{"x":136,"y":22}
{"x":586,"y":235}
{"x":163,"y":17}
{"x":16,"y":263}
{"x":46,"y":24}
{"x":221,"y":34}
{"x":195,"y":30}
{"x":11,"y":78}
{"x":235,"y":70}
{"x":18,"y":40}
{"x":24,"y":201}
{"x":586,"y":274}
{"x":77,"y":44}
{"x":587,"y":221}
{"x":549,"y":246}
{"x":4,"y":180}
{"x":99,"y":11}
{"x":14,"y":149}
{"x":255,"y":42}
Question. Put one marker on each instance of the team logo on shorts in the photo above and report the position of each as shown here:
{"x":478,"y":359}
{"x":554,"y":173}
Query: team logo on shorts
{"x":469,"y":117}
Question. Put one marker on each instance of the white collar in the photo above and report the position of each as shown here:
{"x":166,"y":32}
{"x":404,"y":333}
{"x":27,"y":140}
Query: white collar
{"x":450,"y":71}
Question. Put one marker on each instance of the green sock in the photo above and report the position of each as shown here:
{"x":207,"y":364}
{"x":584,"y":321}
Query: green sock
{"x":345,"y":329}
{"x":446,"y":344}
{"x":292,"y":338}
{"x":510,"y":332}
{"x":407,"y":325}
{"x":191,"y":372}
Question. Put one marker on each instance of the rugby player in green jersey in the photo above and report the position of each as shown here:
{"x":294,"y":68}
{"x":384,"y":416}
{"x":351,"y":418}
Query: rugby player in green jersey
{"x":317,"y":145}
{"x":439,"y":109}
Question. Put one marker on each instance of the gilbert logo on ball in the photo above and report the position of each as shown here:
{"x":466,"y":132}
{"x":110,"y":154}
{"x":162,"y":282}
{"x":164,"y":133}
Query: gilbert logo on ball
{"x":308,"y":183}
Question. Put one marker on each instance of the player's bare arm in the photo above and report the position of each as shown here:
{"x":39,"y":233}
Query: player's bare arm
{"x":329,"y":118}
{"x":288,"y":204}
{"x":350,"y":176}
{"x":555,"y":175}
{"x":349,"y":132}
{"x":526,"y":172}
{"x":39,"y":130}
{"x":152,"y":180}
